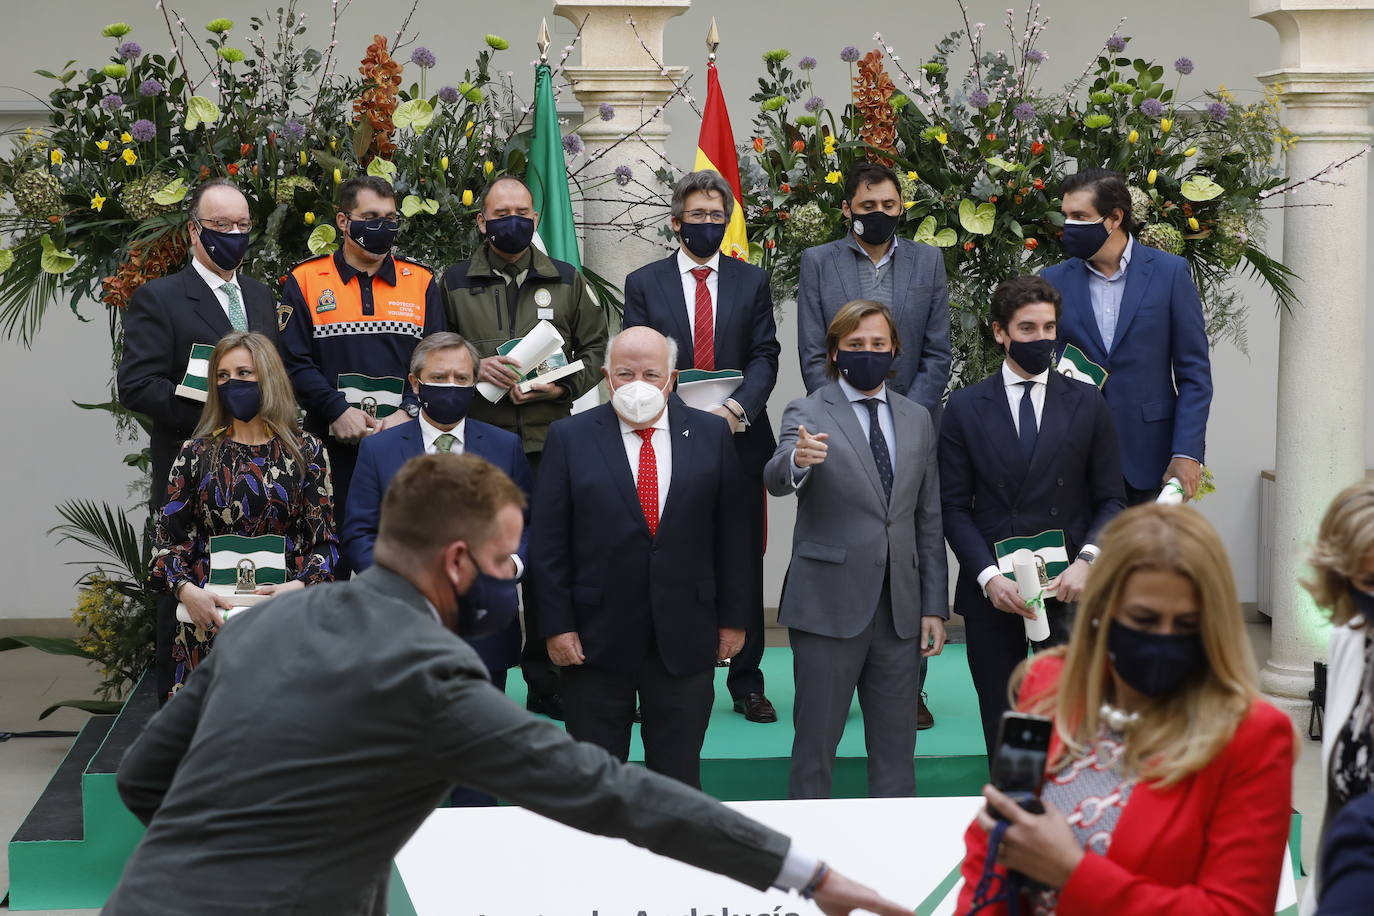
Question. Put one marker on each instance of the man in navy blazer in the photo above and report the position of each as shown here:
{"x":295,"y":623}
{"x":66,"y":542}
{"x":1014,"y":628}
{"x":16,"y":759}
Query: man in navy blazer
{"x":719,"y":311}
{"x":1022,"y":452}
{"x":442,"y":373}
{"x":1134,"y":310}
{"x":636,"y":546}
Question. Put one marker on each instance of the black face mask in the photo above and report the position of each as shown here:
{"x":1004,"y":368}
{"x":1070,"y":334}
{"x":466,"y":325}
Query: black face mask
{"x":242,"y":398}
{"x":1083,"y":240}
{"x":864,"y":369}
{"x":875,"y":228}
{"x":511,"y":234}
{"x":226,"y":249}
{"x":1364,"y":602}
{"x":375,"y":236}
{"x":1032,"y":355}
{"x":490,"y":606}
{"x":702,"y":239}
{"x":1156,"y":664}
{"x":446,"y":404}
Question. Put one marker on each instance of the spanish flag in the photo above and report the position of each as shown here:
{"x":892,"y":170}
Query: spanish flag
{"x":716,"y":150}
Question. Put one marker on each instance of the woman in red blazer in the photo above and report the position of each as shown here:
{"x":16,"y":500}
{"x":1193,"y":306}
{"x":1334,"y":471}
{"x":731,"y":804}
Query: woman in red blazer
{"x":1169,"y":780}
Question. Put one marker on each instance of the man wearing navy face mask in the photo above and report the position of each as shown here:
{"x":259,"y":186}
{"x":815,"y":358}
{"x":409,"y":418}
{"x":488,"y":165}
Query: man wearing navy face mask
{"x":351,"y":321}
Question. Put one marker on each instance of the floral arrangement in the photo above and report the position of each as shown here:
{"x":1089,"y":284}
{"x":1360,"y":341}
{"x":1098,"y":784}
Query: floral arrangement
{"x":981,"y":150}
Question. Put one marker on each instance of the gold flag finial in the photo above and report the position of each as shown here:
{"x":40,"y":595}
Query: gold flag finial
{"x":543,"y":41}
{"x":712,"y":40}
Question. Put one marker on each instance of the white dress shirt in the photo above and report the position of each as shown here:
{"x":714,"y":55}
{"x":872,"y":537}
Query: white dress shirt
{"x":430,"y":432}
{"x":663,"y":454}
{"x":1105,"y":294}
{"x":216,"y":284}
{"x":685,"y":266}
{"x":856,"y":400}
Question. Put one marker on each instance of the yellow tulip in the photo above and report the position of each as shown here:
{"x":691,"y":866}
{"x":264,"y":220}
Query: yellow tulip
{"x":333,"y":145}
{"x":304,"y":160}
{"x":97,"y":202}
{"x":443,"y":163}
{"x":488,"y":167}
{"x":1193,"y":224}
{"x":1190,"y":151}
{"x":1150,"y":178}
{"x":467,"y":198}
{"x":1133,"y":136}
{"x":833,"y":177}
{"x":909,"y":204}
{"x":1166,"y":124}
{"x":912,"y":176}
{"x":309,"y":218}
{"x":55,"y":157}
{"x":338,"y":177}
{"x":126,"y":137}
{"x":130,"y":157}
{"x":468,"y":131}
{"x":943,"y":137}
{"x":102,"y":145}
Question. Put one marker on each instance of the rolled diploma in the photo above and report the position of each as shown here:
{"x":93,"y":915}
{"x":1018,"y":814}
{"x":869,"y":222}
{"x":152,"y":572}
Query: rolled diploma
{"x":1028,"y":585}
{"x":1172,"y":494}
{"x":539,"y":344}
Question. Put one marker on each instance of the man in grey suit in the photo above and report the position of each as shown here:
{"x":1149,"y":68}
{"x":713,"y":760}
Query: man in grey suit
{"x":328,"y":723}
{"x":865,"y":595}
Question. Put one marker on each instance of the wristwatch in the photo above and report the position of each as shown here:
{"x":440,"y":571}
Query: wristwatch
{"x":1088,"y":555}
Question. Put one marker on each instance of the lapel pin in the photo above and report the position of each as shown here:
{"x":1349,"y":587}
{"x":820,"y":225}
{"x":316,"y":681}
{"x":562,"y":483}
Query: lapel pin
{"x":686,"y":433}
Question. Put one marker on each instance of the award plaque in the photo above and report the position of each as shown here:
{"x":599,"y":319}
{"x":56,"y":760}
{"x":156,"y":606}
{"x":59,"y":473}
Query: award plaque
{"x":239,"y":566}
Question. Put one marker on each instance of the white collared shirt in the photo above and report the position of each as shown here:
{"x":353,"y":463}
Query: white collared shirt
{"x":1015,"y":392}
{"x":429,"y":432}
{"x":216,"y":284}
{"x":685,"y":266}
{"x":1105,"y":294}
{"x":663,"y":454}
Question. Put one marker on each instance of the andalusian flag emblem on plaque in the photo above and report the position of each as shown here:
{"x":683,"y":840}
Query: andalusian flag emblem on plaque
{"x":1051,"y":556}
{"x":1073,"y":363}
{"x":196,"y":384}
{"x":239,"y":565}
{"x":377,"y":397}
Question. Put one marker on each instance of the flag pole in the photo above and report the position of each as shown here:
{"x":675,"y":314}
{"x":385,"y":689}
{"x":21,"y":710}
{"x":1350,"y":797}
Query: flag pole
{"x":712,"y":41}
{"x":543,"y":41}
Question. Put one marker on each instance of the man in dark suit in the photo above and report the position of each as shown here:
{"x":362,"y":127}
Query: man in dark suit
{"x":719,"y":311}
{"x":166,"y":318}
{"x":1134,"y":311}
{"x":873,"y":264}
{"x":1022,"y":452}
{"x":377,"y":708}
{"x":637,"y":551}
{"x":867,"y":590}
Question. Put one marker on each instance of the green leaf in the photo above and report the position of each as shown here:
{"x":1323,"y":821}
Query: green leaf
{"x":49,"y":644}
{"x":54,"y":261}
{"x":415,"y":114}
{"x":998,"y":162}
{"x":381,"y":168}
{"x":200,"y":110}
{"x":1198,"y":188}
{"x":926,"y":234}
{"x":321,"y":241}
{"x":977,"y":218}
{"x":98,"y":707}
{"x":6,"y":259}
{"x":412,"y":205}
{"x":172,"y":192}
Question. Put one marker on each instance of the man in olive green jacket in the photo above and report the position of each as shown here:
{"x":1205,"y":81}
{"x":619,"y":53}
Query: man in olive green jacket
{"x":500,"y":293}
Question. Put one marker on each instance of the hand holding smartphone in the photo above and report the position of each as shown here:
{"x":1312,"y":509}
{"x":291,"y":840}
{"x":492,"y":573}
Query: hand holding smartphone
{"x":1018,"y":760}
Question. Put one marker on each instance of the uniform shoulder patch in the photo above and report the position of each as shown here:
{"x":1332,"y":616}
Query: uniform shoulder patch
{"x":283,"y":315}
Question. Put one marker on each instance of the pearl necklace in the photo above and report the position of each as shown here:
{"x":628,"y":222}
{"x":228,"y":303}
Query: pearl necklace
{"x":1118,"y":720}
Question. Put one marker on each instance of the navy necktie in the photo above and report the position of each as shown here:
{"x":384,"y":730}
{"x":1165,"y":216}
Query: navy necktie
{"x":1026,"y":420}
{"x":878,"y":443}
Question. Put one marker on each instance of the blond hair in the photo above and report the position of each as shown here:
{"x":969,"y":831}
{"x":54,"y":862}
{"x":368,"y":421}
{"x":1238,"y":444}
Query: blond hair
{"x":1345,"y":538}
{"x":847,"y":321}
{"x":278,"y":409}
{"x":1181,"y":733}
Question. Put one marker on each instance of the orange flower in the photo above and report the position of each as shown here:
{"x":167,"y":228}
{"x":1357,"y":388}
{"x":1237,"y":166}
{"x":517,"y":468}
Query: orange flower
{"x":758,"y":144}
{"x":992,"y":136}
{"x":1016,"y":199}
{"x":245,"y":149}
{"x":233,"y":168}
{"x":1032,"y":244}
{"x":381,"y":77}
{"x":770,"y":244}
{"x":873,"y":91}
{"x":968,"y":246}
{"x":1037,"y":148}
{"x":785,"y":187}
{"x":992,"y":199}
{"x":798,"y":146}
{"x":146,"y":261}
{"x":783,"y":214}
{"x":204,"y":172}
{"x":1039,"y":184}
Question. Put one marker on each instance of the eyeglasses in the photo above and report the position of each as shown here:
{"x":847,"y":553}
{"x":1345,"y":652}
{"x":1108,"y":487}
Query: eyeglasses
{"x":227,"y":225}
{"x":704,"y":216}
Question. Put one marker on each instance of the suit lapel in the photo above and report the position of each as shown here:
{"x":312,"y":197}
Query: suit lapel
{"x":613,"y":457}
{"x":683,"y":443}
{"x":848,"y":271}
{"x":1056,"y":417}
{"x":670,"y":286}
{"x":1075,"y":291}
{"x":842,"y":411}
{"x":725,"y":304}
{"x":205,"y":304}
{"x":995,"y":420}
{"x":906,"y":448}
{"x":903,"y":263}
{"x":412,"y":441}
{"x":1137,"y":281}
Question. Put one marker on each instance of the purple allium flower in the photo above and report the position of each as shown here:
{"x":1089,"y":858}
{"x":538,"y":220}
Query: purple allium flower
{"x":572,"y":145}
{"x":112,"y":102}
{"x":143,"y":130}
{"x":849,"y":54}
{"x":423,"y":58}
{"x":448,"y":95}
{"x":623,"y":175}
{"x":1023,"y":112}
{"x":1152,"y":108}
{"x":606,"y":111}
{"x":1036,"y":56}
{"x":129,"y":50}
{"x":1116,"y":44}
{"x":807,"y":63}
{"x":293,"y":130}
{"x":1183,"y":65}
{"x":150,"y":87}
{"x":814,"y":104}
{"x":1218,"y":111}
{"x":978,"y":99}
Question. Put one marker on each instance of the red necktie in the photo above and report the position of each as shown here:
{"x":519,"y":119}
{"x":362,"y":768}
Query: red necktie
{"x":648,"y":480}
{"x":704,"y":340}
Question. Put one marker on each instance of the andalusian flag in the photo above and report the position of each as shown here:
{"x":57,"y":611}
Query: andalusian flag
{"x":1048,"y":546}
{"x":716,"y":150}
{"x":376,"y":397}
{"x":232,"y":555}
{"x":196,"y":384}
{"x":1074,"y":363}
{"x":548,"y":176}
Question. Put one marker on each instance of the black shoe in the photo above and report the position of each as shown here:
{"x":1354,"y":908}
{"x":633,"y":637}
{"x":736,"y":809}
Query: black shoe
{"x":756,"y":708}
{"x":550,"y":704}
{"x":924,"y":718}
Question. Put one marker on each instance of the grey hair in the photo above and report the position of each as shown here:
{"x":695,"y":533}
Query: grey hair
{"x":672,"y":350}
{"x":193,"y":204}
{"x":441,"y":340}
{"x":703,"y":180}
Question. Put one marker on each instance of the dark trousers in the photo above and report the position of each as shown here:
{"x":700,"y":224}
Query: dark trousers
{"x":541,"y":675}
{"x":600,"y":709}
{"x":1136,"y":497}
{"x":343,"y":458}
{"x":462,"y":796}
{"x":745,"y":677}
{"x":827,"y":670}
{"x":996,"y":645}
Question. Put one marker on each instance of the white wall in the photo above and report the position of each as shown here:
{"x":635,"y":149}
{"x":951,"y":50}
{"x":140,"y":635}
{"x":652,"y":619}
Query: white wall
{"x":55,"y":451}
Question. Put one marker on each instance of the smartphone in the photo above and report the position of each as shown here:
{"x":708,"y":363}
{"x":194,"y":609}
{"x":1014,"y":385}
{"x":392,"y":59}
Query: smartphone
{"x":1018,"y":761}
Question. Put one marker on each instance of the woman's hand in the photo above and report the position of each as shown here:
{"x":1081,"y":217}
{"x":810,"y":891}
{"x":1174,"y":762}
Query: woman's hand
{"x":203,"y":606}
{"x":291,"y":586}
{"x":1040,"y":846}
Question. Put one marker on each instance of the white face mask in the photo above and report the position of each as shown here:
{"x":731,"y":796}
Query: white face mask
{"x":638,"y":401}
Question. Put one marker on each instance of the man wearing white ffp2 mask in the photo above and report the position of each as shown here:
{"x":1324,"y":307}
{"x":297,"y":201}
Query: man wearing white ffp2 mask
{"x":638,"y":555}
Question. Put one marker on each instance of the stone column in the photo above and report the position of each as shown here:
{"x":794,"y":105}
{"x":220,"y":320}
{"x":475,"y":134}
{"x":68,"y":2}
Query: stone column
{"x":1326,"y":71}
{"x":617,"y":70}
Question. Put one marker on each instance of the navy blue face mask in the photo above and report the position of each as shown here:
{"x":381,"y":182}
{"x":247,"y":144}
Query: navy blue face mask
{"x":864,"y":369}
{"x":446,"y":404}
{"x":490,"y":606}
{"x":511,"y":234}
{"x":702,"y":239}
{"x":1156,"y":664}
{"x":226,"y":249}
{"x":1032,"y":355}
{"x":1083,"y":240}
{"x":375,"y":236}
{"x":242,"y":398}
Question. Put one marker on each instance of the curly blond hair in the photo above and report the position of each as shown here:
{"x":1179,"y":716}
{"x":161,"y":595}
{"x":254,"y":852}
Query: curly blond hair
{"x":1344,"y":541}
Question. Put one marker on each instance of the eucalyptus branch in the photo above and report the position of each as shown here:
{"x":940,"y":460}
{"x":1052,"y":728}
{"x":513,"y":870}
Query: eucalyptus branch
{"x":662,"y":69}
{"x":1317,"y":177}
